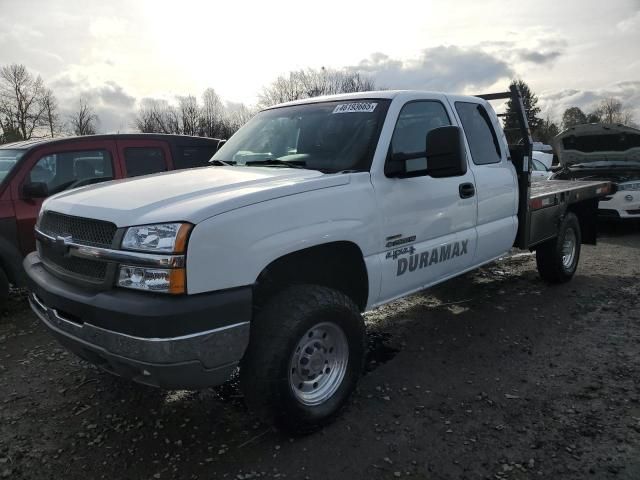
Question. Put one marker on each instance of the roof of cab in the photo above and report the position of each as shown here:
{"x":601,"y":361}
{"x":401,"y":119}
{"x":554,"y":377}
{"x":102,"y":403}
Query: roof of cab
{"x":369,"y":95}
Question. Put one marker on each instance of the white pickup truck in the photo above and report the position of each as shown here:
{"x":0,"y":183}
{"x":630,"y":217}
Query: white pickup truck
{"x":313,"y":212}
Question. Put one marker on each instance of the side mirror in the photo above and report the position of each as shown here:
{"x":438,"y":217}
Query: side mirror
{"x":35,"y":190}
{"x":444,"y":156}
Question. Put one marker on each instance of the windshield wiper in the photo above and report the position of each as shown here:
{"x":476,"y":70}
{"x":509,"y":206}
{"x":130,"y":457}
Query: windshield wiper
{"x":221,"y":163}
{"x":274,"y":161}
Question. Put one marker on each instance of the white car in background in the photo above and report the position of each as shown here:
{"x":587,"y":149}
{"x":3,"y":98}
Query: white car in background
{"x":604,"y":152}
{"x":541,"y":166}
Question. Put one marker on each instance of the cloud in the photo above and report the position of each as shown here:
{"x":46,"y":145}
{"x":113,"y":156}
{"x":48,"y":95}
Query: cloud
{"x":631,"y":24}
{"x":114,"y":95}
{"x":114,"y":106}
{"x":537,"y":57}
{"x":445,"y":68}
{"x":555,"y":103}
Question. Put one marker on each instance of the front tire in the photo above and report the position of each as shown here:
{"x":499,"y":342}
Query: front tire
{"x":558,"y":258}
{"x":305,"y":355}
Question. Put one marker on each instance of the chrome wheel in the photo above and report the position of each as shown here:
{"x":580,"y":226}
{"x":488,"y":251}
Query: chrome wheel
{"x":569,"y":248}
{"x":318,"y":364}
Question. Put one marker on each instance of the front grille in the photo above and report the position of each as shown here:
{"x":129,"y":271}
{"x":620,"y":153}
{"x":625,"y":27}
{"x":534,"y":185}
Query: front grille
{"x":92,"y":270}
{"x":86,"y":231}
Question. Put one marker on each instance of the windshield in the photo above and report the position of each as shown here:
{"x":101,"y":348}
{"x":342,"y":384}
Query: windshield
{"x":8,"y":159}
{"x":329,"y":136}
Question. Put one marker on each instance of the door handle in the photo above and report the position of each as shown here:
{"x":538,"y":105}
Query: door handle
{"x":467,"y":190}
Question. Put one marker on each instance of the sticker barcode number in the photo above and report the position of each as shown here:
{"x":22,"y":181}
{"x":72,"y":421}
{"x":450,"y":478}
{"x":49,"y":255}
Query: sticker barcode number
{"x":364,"y":107}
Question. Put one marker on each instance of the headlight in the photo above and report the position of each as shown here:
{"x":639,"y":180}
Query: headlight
{"x":158,"y":238}
{"x":162,"y":280}
{"x":628,"y":186}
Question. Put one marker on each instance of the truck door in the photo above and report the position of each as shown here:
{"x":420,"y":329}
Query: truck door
{"x":496,"y":180}
{"x":428,"y":224}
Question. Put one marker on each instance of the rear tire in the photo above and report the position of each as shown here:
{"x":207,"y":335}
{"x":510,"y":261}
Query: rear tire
{"x":558,"y":258}
{"x":305,"y":355}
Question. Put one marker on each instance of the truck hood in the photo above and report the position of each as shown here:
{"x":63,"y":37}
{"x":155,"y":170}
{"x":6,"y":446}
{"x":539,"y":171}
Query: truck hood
{"x":187,"y":195}
{"x":599,"y":146}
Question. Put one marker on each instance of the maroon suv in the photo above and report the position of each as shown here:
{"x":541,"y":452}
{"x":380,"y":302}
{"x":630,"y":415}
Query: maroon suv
{"x":34,"y":169}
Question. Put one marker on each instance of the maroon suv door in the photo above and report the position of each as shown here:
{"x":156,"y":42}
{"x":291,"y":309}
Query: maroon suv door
{"x":60,"y":167}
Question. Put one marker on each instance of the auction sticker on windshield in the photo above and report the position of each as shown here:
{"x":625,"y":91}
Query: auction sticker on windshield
{"x":365,"y":107}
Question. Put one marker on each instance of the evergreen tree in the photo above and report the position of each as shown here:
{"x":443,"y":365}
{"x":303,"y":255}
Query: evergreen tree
{"x":530,"y":101}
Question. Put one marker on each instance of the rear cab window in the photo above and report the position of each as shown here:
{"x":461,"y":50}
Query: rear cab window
{"x":144,"y":161}
{"x":480,"y":133}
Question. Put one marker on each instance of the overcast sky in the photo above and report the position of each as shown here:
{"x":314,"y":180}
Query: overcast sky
{"x":118,"y":52}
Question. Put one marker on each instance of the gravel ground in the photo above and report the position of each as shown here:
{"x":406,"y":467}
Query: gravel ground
{"x":491,"y":375}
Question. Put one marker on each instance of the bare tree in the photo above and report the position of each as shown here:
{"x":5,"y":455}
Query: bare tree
{"x":611,"y":110}
{"x":21,"y":100}
{"x":213,"y":119}
{"x":9,"y":131}
{"x":84,"y":120}
{"x":189,"y":115}
{"x":236,"y":115}
{"x":51,"y":115}
{"x":312,"y":83}
{"x":157,"y":116}
{"x":212,"y":114}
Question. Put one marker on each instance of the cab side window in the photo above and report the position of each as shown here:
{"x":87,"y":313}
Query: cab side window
{"x":481,"y":136}
{"x":63,"y":170}
{"x":416,"y":119}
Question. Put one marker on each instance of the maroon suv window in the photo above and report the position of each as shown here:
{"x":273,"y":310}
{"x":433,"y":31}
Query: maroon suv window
{"x":144,"y":160}
{"x":64,"y":170}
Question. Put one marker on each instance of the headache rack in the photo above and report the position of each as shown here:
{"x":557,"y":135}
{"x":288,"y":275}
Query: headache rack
{"x":542,"y":204}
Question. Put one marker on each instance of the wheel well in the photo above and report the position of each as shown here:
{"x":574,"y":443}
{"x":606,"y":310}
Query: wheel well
{"x":587,"y":213}
{"x":337,"y":265}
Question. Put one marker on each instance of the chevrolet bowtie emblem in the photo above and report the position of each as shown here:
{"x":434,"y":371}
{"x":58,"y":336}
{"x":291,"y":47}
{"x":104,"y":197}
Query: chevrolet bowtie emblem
{"x":61,"y":244}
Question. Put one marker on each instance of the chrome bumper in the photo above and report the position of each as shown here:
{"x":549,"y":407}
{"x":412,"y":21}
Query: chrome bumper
{"x":191,"y":361}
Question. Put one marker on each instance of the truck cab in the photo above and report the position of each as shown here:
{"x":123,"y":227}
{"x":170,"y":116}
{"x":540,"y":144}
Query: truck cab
{"x":316,"y":211}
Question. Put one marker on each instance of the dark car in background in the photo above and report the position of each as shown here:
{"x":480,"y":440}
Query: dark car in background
{"x":32,"y":170}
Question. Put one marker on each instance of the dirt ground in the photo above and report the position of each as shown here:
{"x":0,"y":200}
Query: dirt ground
{"x":491,"y":375}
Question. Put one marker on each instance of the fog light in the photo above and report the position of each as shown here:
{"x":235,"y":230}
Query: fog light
{"x":162,"y":280}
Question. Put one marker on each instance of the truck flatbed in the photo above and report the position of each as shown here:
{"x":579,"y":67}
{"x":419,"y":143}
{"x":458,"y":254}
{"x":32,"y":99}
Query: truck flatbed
{"x":544,"y":203}
{"x":544,"y":188}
